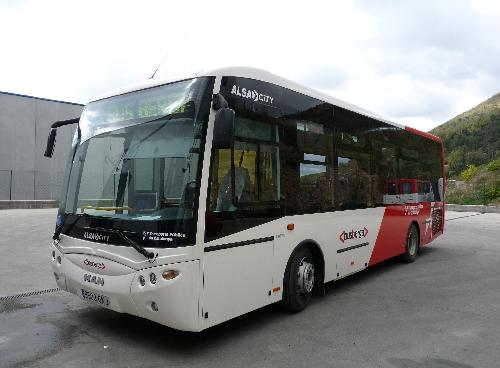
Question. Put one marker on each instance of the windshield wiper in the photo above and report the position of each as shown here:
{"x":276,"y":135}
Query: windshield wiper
{"x":149,"y":255}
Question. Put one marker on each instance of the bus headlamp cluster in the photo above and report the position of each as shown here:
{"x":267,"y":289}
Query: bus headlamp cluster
{"x":142,"y":280}
{"x":166,"y":275}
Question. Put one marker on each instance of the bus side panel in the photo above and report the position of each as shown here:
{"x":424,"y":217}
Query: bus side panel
{"x":391,"y":239}
{"x":346,"y":239}
{"x":425,"y":223}
{"x":236,"y":281}
{"x":432,"y":223}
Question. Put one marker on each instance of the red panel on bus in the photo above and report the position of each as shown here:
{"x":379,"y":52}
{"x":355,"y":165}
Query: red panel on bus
{"x":424,"y":134}
{"x":390,"y":239}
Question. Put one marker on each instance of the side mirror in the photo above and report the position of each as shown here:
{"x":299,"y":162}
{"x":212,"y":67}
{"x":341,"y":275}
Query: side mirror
{"x":51,"y":141}
{"x":223,"y":129}
{"x":441,"y":189}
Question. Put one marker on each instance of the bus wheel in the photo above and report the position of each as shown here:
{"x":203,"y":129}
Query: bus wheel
{"x":299,"y":280}
{"x":412,"y":245}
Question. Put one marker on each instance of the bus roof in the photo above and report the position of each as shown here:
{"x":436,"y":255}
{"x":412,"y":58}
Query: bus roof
{"x":265,"y":76}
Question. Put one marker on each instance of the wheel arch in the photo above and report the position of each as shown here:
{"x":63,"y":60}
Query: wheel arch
{"x":414,"y":222}
{"x":319,"y":258}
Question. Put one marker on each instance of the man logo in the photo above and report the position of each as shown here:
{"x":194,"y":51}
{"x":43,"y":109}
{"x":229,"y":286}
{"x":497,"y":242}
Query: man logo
{"x":93,"y":279}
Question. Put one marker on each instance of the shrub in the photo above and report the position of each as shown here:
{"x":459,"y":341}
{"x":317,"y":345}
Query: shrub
{"x":493,"y":165}
{"x":469,"y":173}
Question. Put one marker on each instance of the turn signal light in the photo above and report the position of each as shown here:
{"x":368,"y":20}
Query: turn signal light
{"x":290,"y":226}
{"x":170,"y":274}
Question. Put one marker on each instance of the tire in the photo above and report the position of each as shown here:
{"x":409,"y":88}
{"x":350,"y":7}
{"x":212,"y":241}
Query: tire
{"x":412,"y":245}
{"x":298,"y":282}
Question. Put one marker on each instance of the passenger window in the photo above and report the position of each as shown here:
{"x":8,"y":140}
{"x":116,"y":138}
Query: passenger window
{"x":307,"y":158}
{"x":244,"y":189}
{"x":406,"y":188}
{"x":384,"y":163}
{"x":244,"y":169}
{"x":357,"y":186}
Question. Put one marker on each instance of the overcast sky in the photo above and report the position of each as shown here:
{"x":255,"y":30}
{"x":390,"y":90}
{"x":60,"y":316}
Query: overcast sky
{"x":415,"y":62}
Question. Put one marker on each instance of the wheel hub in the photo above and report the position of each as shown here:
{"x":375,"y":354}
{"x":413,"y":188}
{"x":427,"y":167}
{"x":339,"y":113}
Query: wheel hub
{"x":305,"y":277}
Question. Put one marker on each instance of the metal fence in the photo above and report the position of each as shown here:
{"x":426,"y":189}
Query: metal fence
{"x":26,"y":185}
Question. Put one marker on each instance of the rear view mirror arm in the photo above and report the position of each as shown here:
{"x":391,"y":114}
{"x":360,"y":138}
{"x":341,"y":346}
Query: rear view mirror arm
{"x":51,"y":140}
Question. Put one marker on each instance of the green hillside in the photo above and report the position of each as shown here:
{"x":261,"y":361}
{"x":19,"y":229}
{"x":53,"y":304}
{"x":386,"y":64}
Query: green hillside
{"x":473,"y":137}
{"x":472,"y":149}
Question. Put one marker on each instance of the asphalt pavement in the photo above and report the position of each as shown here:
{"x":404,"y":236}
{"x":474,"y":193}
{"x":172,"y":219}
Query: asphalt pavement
{"x":442,"y":311}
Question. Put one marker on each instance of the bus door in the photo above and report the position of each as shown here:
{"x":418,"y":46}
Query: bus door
{"x":243,"y":196}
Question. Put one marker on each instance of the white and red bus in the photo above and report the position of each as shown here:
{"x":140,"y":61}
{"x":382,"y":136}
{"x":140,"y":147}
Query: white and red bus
{"x":193,"y":201}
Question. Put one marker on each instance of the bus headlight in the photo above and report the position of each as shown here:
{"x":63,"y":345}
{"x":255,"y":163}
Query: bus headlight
{"x":152,"y":278}
{"x":142,"y":280}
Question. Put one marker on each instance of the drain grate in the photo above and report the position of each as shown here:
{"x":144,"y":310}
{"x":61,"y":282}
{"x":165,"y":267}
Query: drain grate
{"x":29,"y":293}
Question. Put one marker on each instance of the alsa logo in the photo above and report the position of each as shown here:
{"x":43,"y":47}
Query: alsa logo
{"x":93,"y":279}
{"x":353,"y":234}
{"x":99,"y":265}
{"x":251,"y":94}
{"x":95,"y":237}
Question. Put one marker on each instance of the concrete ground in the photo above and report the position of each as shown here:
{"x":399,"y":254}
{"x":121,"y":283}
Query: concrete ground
{"x":25,"y":238}
{"x":443,"y":311}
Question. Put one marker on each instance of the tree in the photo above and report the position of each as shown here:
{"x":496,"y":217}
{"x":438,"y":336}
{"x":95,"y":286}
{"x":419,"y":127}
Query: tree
{"x":456,"y":161}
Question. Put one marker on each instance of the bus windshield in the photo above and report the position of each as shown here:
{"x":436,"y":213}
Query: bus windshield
{"x":138,"y":161}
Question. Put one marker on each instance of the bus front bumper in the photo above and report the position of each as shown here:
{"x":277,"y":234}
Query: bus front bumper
{"x":144,"y":293}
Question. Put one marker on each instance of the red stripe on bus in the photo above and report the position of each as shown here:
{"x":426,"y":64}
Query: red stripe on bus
{"x":424,"y":134}
{"x":391,"y":238}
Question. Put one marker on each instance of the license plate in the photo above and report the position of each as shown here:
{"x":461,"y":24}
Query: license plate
{"x":94,"y":297}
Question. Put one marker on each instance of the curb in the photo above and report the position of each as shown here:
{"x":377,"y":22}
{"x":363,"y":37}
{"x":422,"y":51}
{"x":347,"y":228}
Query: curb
{"x":472,"y":208}
{"x":28,"y":204}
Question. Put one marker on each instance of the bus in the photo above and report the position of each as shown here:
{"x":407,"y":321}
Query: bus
{"x":192,"y":201}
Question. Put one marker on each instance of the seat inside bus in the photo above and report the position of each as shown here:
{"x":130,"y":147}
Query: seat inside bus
{"x":243,"y":190}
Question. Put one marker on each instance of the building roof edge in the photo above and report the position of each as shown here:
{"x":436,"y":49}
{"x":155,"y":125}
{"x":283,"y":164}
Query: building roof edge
{"x":40,"y":98}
